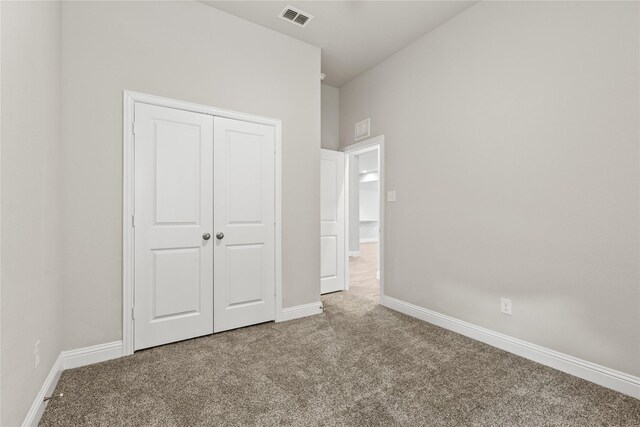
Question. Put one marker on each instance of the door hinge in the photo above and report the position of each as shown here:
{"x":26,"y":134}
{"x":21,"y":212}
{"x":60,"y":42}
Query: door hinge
{"x":133,"y":313}
{"x":133,"y":128}
{"x":133,"y":220}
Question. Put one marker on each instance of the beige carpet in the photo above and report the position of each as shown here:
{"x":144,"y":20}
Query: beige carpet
{"x":358,"y":364}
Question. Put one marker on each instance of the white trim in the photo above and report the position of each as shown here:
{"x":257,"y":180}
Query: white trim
{"x":128,"y":248}
{"x":298,"y":311}
{"x":90,"y":355}
{"x":346,"y":183}
{"x":606,"y":377}
{"x":377,"y":142}
{"x":195,"y":108}
{"x":68,"y":360}
{"x":369,"y":240}
{"x":129,"y":99}
{"x":364,"y":146}
{"x":37,"y":408}
{"x":278,"y":219}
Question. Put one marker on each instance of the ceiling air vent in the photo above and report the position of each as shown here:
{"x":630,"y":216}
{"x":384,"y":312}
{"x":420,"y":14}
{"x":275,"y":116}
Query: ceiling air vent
{"x":295,"y":16}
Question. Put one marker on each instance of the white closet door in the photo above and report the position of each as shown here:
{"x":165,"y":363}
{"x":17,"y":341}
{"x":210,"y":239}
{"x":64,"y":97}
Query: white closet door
{"x":173,"y":220}
{"x":332,"y":225}
{"x":244,"y":215}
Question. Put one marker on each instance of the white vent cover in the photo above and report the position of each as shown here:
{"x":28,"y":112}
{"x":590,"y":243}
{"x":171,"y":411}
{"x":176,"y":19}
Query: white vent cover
{"x":295,"y":16}
{"x":363,"y":129}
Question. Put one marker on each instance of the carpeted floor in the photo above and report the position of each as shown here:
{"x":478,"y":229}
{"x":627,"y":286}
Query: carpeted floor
{"x":358,"y":364}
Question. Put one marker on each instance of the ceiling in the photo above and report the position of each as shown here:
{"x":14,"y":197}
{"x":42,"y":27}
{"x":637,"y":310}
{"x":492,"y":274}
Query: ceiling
{"x":354,"y":35}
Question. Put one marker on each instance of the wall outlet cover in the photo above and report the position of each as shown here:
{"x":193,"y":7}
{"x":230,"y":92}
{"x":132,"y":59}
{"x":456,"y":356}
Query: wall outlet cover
{"x":505,"y":306}
{"x":391,"y":196}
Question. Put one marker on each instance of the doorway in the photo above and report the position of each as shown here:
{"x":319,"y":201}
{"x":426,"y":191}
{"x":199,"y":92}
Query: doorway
{"x":201,"y":225}
{"x":364,"y":244}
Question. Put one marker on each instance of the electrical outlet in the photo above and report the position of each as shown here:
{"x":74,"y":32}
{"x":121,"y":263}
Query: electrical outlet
{"x":36,"y":354}
{"x":505,"y":306}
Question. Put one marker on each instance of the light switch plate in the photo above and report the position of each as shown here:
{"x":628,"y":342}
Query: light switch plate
{"x":391,"y":196}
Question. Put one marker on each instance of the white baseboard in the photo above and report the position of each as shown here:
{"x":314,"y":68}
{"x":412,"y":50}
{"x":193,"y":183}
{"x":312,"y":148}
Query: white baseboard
{"x":68,"y":360}
{"x":37,"y":408}
{"x":606,"y":377}
{"x":299,"y":311}
{"x":354,"y":253}
{"x":90,"y":355}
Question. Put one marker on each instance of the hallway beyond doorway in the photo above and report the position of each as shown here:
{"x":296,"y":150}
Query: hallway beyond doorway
{"x":362,"y":273}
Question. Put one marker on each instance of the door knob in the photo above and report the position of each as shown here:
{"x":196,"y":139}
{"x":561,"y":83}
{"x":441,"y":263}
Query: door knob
{"x":206,"y":236}
{"x":220,"y":236}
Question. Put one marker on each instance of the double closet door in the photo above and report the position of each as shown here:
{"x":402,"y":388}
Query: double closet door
{"x":204,"y":224}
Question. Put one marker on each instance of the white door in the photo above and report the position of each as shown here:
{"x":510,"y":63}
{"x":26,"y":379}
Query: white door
{"x":332,"y":226}
{"x":173,"y":219}
{"x":244,"y":215}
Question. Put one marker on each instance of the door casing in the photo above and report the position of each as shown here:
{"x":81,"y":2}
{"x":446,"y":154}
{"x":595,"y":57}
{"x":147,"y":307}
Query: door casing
{"x":129,"y":99}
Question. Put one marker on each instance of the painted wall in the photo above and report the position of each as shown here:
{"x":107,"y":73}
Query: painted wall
{"x":191,"y":52}
{"x":30,"y":198}
{"x":330,"y":136}
{"x":512,"y":139}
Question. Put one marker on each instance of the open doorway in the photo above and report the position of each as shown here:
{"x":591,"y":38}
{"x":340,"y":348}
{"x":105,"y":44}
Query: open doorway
{"x":364,"y":219}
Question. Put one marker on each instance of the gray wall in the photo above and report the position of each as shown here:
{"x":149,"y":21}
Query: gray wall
{"x":512,"y":139}
{"x":192,"y":52}
{"x":31,"y":303}
{"x":330,"y":136}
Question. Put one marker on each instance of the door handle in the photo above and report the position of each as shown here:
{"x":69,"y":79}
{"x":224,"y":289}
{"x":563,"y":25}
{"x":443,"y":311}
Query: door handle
{"x":220,"y":236}
{"x":206,"y":236}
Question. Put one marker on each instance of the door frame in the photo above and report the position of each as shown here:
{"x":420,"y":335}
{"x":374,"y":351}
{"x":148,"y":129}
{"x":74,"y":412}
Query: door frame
{"x":359,"y":148}
{"x":129,"y":98}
